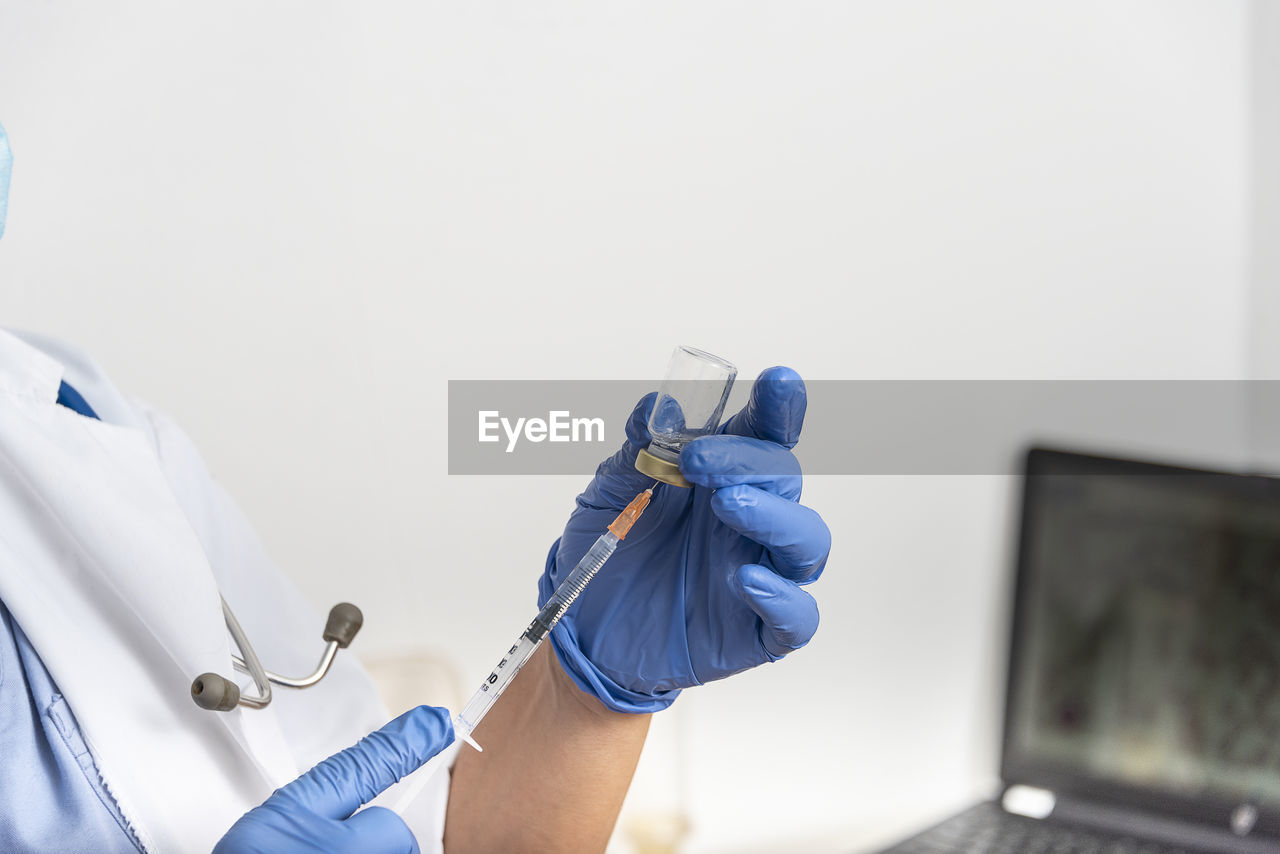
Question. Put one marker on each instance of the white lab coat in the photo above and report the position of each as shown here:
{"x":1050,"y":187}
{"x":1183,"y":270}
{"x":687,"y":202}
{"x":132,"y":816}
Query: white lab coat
{"x":114,"y":545}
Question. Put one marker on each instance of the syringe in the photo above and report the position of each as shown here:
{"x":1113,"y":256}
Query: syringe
{"x":528,"y":642}
{"x":533,"y":636}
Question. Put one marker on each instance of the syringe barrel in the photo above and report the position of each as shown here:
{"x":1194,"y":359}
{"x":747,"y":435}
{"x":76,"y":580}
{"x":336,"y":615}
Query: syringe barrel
{"x":520,"y":652}
{"x":497,"y":681}
{"x":575,"y":582}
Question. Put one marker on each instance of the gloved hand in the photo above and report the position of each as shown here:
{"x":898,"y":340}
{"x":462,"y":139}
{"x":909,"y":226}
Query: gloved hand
{"x":707,"y":583}
{"x":313,"y":814}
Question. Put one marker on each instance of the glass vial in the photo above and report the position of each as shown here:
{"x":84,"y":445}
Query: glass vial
{"x":690,"y":404}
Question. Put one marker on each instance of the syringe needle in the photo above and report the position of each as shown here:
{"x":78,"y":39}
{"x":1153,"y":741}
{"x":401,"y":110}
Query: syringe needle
{"x":621,"y":525}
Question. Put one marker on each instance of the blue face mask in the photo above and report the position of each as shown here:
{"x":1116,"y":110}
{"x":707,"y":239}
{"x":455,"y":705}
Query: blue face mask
{"x":6,"y":164}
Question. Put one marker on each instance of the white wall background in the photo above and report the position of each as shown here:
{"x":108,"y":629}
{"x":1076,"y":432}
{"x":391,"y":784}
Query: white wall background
{"x":290,"y":224}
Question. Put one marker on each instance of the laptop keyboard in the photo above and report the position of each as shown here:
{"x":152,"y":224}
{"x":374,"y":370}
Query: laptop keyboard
{"x":987,"y":829}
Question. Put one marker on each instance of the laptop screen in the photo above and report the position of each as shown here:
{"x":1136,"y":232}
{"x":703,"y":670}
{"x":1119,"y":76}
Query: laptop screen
{"x":1146,"y":654}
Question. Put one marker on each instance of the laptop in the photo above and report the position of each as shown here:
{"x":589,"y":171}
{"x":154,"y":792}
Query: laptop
{"x":1143,"y":701}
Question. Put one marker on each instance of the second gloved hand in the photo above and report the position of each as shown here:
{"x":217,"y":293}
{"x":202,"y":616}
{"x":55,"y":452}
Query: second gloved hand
{"x":314,"y":813}
{"x":709,"y":581}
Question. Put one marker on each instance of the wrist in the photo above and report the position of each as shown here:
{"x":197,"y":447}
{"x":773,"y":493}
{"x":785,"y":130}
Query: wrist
{"x":595,"y":682}
{"x":568,"y":695}
{"x":590,"y":680}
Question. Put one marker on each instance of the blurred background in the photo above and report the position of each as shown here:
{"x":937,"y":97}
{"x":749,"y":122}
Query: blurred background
{"x":290,"y":224}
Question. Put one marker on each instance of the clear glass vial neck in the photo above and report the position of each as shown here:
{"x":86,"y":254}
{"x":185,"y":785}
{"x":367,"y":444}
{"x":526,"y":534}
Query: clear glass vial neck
{"x":690,"y":404}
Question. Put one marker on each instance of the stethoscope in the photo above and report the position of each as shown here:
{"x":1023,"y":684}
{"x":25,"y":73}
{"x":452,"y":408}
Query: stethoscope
{"x":218,"y":693}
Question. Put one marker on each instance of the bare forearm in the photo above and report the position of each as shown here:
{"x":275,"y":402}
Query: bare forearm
{"x":557,"y":761}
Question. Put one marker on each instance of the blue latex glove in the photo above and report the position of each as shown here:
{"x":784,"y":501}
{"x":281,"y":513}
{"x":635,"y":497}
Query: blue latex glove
{"x":313,"y":814}
{"x":6,"y":166}
{"x":708,"y":582}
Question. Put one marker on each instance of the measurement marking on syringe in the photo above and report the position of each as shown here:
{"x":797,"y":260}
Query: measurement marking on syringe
{"x":561,"y":598}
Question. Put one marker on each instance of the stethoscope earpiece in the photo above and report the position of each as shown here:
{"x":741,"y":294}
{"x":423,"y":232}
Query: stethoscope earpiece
{"x":215,"y":693}
{"x":219,"y":694}
{"x":344,"y":621}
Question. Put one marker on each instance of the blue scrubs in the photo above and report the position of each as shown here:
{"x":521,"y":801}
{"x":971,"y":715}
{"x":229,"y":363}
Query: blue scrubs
{"x":51,"y":797}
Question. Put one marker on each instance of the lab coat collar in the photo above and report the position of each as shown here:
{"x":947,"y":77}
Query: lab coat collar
{"x":26,"y":371}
